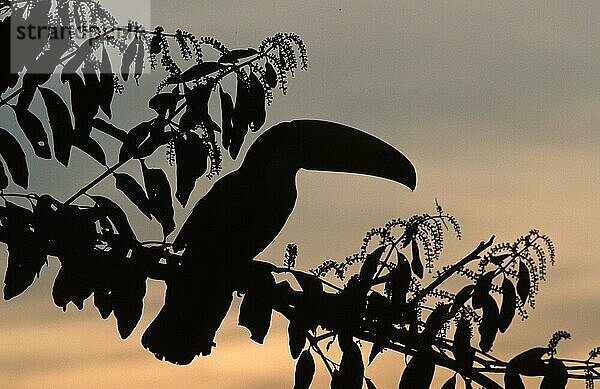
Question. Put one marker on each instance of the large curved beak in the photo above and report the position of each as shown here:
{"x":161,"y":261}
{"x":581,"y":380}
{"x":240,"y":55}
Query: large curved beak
{"x":334,"y":147}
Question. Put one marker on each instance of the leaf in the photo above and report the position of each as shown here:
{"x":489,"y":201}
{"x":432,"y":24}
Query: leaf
{"x":234,"y":56}
{"x":482,"y":289}
{"x":134,"y":192}
{"x":84,"y":103}
{"x":25,"y":253}
{"x":90,"y":147}
{"x":305,"y":371}
{"x":72,"y":284}
{"x":60,"y":124}
{"x":159,"y":197}
{"x":139,"y":61}
{"x":509,"y":303}
{"x":434,"y":324}
{"x":256,"y":307}
{"x":419,"y":371}
{"x":369,"y":266}
{"x":524,"y":282}
{"x":450,"y":384}
{"x":129,"y":291}
{"x":257,"y":98}
{"x":191,"y":155}
{"x":109,"y":129}
{"x":150,"y":145}
{"x":34,"y":131}
{"x":461,"y":347}
{"x":241,"y":117}
{"x":461,"y":299}
{"x":81,"y":53}
{"x":296,"y":338}
{"x":196,"y":72}
{"x":270,"y":75}
{"x":107,"y":88}
{"x":416,"y":264}
{"x":135,"y":137}
{"x":556,"y":376}
{"x":352,"y":369}
{"x":165,"y":102}
{"x":3,"y":178}
{"x":488,"y":328}
{"x":399,"y":281}
{"x":116,"y":216}
{"x":128,"y":57}
{"x":529,"y":363}
{"x":13,"y":155}
{"x":226,"y":117}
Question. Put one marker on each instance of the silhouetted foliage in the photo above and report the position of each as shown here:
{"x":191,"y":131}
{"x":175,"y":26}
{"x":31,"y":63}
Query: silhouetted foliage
{"x":387,"y":294}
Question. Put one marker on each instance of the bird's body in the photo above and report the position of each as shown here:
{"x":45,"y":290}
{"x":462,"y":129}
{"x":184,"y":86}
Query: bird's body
{"x":240,"y":216}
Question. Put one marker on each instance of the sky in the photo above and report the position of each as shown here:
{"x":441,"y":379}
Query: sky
{"x":496,"y":103}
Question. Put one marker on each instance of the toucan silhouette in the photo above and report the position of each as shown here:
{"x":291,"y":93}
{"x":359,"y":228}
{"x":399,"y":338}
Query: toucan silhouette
{"x":242,"y":214}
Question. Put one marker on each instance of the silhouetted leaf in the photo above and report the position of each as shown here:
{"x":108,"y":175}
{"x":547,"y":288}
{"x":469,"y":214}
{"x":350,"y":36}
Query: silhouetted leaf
{"x":419,"y":371}
{"x":139,"y":61}
{"x":241,"y":118}
{"x":60,"y":124}
{"x":29,"y":86}
{"x":72,"y":284}
{"x":116,"y":216}
{"x":270,"y":75}
{"x":165,"y":102}
{"x":129,"y":57}
{"x":305,"y":371}
{"x":369,"y":266}
{"x":135,"y":137}
{"x":482,"y":289}
{"x":461,"y":299}
{"x":109,"y":129}
{"x":528,"y":363}
{"x":90,"y":147}
{"x":13,"y":155}
{"x":450,"y":384}
{"x":399,"y":281}
{"x":196,"y":72}
{"x":129,"y":291}
{"x":556,"y":376}
{"x":150,"y":145}
{"x":226,"y":117}
{"x":352,"y":369}
{"x":509,"y":302}
{"x":103,"y":302}
{"x":416,"y":264}
{"x":3,"y":178}
{"x":257,"y":98}
{"x":461,"y":347}
{"x":34,"y":131}
{"x":134,"y":192}
{"x":524,"y":282}
{"x":256,"y":307}
{"x":81,"y":53}
{"x":107,"y":88}
{"x":25,"y":254}
{"x":159,"y":196}
{"x":84,"y":102}
{"x":191,"y":155}
{"x":233,"y":56}
{"x":434,"y":324}
{"x":296,"y":338}
{"x":488,"y":328}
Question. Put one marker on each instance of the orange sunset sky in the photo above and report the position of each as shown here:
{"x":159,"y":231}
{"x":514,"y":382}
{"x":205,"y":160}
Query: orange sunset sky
{"x":497,"y":103}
